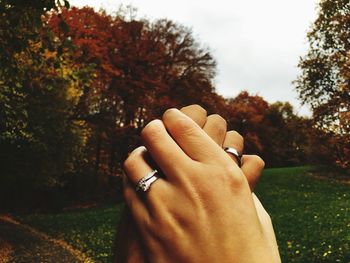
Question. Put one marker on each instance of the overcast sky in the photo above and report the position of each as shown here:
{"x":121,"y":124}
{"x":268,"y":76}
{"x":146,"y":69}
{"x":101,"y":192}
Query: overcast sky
{"x":256,"y":43}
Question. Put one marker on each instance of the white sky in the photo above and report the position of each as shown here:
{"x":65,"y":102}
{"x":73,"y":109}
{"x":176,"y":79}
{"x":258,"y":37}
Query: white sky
{"x":256,"y":43}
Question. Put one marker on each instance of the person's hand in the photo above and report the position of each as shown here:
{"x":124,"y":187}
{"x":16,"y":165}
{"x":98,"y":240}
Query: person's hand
{"x":203,"y":209}
{"x":129,"y":246}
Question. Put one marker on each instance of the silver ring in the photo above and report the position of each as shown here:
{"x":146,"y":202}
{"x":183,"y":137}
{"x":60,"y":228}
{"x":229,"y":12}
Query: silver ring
{"x":145,"y":182}
{"x":235,"y":153}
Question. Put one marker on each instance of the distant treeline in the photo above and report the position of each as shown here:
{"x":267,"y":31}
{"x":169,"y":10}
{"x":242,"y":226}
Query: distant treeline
{"x":77,"y":86}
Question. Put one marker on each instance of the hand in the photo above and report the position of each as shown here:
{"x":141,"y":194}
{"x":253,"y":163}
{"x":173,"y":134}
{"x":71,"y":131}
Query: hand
{"x":216,"y":221}
{"x":129,"y":247}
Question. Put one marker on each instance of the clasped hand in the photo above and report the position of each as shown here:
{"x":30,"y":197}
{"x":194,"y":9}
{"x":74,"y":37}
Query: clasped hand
{"x":202,"y":208}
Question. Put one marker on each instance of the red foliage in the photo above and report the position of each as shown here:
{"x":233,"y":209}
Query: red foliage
{"x":246,"y":113}
{"x":141,"y":69}
{"x":138,"y":64}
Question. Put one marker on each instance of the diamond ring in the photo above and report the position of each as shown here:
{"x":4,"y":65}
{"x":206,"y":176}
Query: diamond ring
{"x":145,"y":182}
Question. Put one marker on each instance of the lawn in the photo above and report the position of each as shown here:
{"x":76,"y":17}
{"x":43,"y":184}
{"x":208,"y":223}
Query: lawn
{"x":92,"y":231}
{"x":311,"y":219}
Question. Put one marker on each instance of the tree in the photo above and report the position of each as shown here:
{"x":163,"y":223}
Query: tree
{"x":41,"y":146}
{"x":20,"y":24}
{"x":286,"y":137}
{"x":273,"y":131}
{"x":141,"y":69}
{"x":245,"y":115}
{"x":325,"y":79}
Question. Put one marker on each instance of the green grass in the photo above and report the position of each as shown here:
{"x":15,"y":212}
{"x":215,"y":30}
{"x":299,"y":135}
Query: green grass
{"x":311,"y":219}
{"x":92,"y":231}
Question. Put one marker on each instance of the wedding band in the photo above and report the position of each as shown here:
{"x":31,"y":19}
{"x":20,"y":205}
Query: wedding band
{"x":145,"y":182}
{"x":235,"y":153}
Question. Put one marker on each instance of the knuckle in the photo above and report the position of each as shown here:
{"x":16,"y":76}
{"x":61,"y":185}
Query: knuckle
{"x":127,"y":162}
{"x":196,"y":113}
{"x":234,"y":176}
{"x":259,"y":161}
{"x":195,"y":108}
{"x":151,"y":130}
{"x":237,"y":137}
{"x":198,"y":108}
{"x":131,"y":161}
{"x":184,"y":126}
{"x":168,"y":113}
{"x":176,"y":123}
{"x":219,"y":124}
{"x":217,"y":119}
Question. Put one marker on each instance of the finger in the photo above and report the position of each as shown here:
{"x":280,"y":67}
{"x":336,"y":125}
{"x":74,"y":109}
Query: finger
{"x":266,"y":223}
{"x":264,"y":217}
{"x":235,"y":140}
{"x":192,"y":139}
{"x":164,"y":150}
{"x":252,"y":167}
{"x":215,"y":127}
{"x":196,"y":113}
{"x":136,"y":166}
{"x":141,"y":215}
{"x":129,"y":247}
{"x":136,"y":206}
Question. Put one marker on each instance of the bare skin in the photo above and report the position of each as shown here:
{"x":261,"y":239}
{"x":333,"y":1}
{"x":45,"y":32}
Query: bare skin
{"x":239,"y":231}
{"x":129,"y":246}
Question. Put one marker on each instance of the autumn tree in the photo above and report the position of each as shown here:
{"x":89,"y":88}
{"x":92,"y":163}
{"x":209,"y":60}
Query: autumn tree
{"x":273,"y":131}
{"x":141,"y":69}
{"x":325,"y":79}
{"x":41,"y":146}
{"x":245,"y":115}
{"x":20,"y":28}
{"x":287,"y":137}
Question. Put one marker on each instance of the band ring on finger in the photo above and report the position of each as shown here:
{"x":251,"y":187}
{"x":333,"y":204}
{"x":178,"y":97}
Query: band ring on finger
{"x":145,"y":182}
{"x":235,"y":153}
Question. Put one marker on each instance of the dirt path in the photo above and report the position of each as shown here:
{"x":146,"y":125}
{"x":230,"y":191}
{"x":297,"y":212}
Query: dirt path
{"x":20,"y":243}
